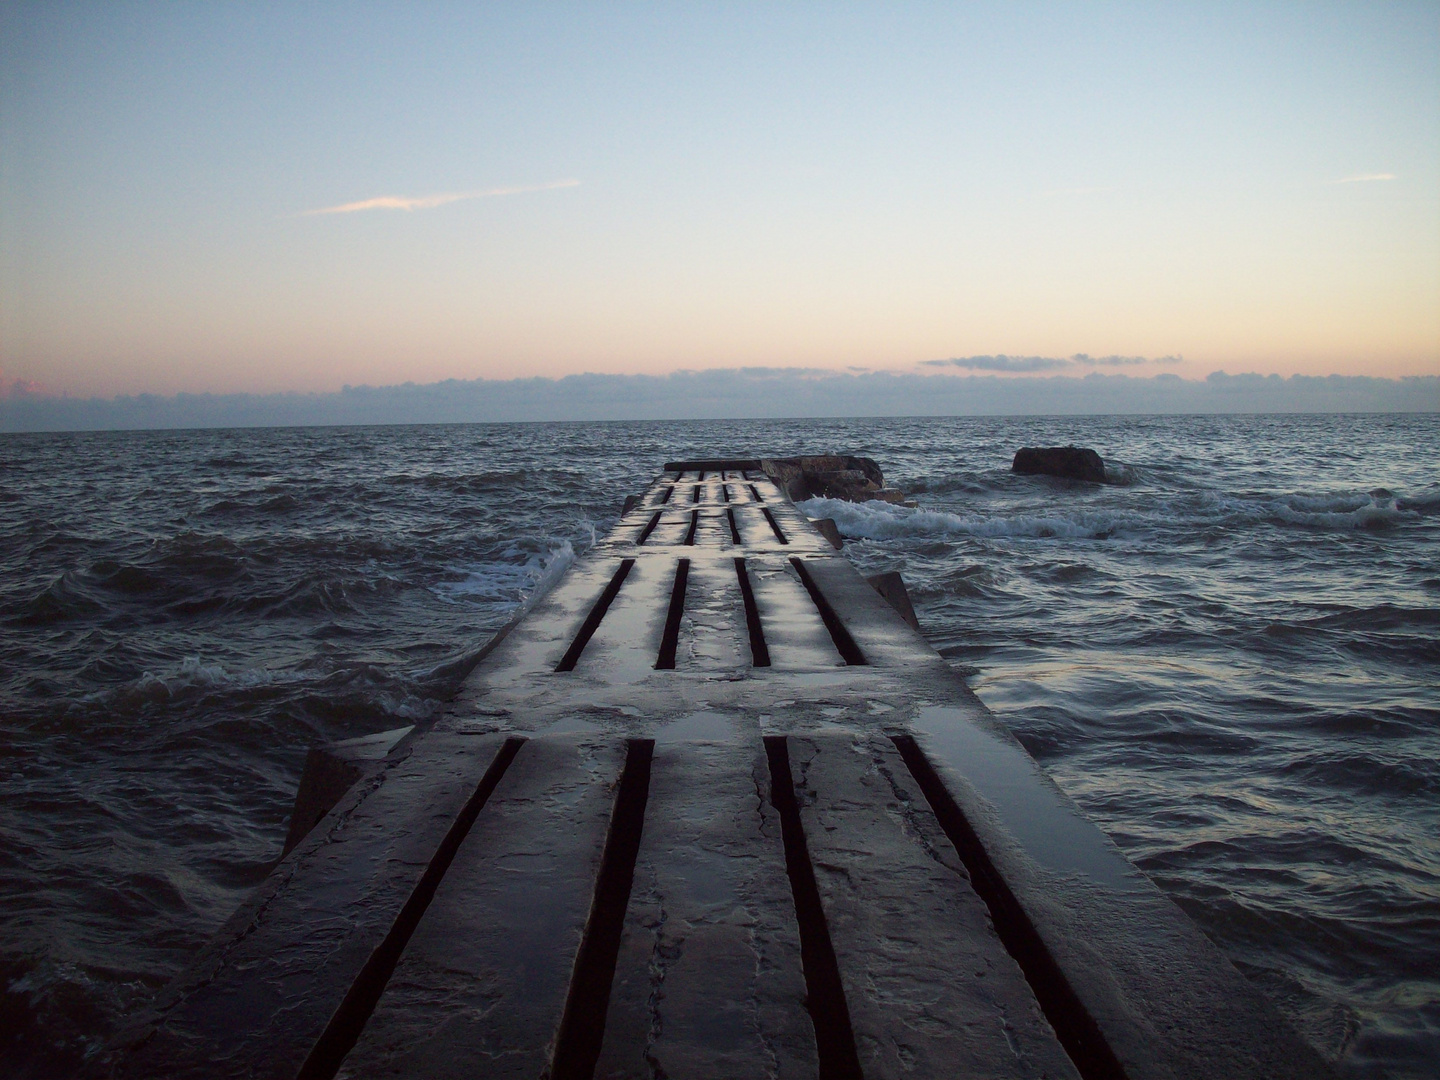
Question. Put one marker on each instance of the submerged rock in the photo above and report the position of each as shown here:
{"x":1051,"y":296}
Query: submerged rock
{"x":1074,"y":462}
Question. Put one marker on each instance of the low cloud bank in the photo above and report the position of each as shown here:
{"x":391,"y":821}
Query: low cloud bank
{"x":732,"y":393}
{"x":1045,"y":363}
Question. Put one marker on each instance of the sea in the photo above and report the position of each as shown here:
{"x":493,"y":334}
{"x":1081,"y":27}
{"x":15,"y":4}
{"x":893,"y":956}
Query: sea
{"x":1228,"y":656}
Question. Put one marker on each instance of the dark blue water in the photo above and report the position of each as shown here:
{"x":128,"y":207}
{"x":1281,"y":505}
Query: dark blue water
{"x":1229,"y":656}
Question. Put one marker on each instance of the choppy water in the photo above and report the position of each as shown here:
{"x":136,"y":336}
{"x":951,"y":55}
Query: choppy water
{"x":1229,"y":658}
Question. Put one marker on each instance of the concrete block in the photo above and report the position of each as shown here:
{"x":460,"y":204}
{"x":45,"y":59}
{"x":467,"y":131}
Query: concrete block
{"x":830,"y":531}
{"x":891,"y":586}
{"x":331,"y":770}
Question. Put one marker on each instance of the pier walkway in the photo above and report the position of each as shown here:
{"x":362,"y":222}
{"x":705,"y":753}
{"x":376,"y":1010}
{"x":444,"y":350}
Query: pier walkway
{"x":711,"y":809}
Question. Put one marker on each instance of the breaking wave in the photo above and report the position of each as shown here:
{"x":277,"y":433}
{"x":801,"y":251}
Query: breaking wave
{"x":1345,"y":511}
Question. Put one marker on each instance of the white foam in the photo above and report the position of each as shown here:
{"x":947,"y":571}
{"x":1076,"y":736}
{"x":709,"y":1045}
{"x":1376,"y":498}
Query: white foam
{"x":1346,"y":510}
{"x":884,"y":521}
{"x":195,"y":672}
{"x":507,"y":580}
{"x":559,"y":562}
{"x":1121,"y":475}
{"x":1343,"y":510}
{"x":192,"y":673}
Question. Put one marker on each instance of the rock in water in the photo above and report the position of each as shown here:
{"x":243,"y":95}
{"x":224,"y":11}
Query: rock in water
{"x":832,"y":476}
{"x":1075,"y":462}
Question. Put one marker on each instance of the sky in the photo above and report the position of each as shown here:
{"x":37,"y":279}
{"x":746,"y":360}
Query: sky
{"x":256,"y":198}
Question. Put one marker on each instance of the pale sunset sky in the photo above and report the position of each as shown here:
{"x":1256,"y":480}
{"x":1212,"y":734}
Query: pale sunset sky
{"x":264,"y":197}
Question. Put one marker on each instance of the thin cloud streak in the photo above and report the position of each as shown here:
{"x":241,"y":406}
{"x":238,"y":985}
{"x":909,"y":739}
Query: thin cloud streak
{"x":427,"y":202}
{"x":1365,"y":177}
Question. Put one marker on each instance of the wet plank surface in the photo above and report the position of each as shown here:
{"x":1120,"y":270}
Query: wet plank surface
{"x":481,"y":986}
{"x":930,"y":989}
{"x":255,"y":1006}
{"x":709,"y":981}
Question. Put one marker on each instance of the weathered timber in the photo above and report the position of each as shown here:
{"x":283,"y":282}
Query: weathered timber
{"x":709,"y":980}
{"x":494,"y":952}
{"x":931,"y":990}
{"x":261,"y":994}
{"x":711,"y":807}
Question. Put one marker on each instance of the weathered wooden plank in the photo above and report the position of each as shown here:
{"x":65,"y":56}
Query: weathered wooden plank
{"x":794,"y":629}
{"x":263,"y":993}
{"x":481,"y":987}
{"x":930,"y":989}
{"x":713,"y":635}
{"x":709,"y":980}
{"x":1165,"y":1001}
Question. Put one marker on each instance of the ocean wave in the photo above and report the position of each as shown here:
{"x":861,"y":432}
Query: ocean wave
{"x":125,"y":577}
{"x":1369,"y":773}
{"x":1342,"y":510}
{"x":51,"y":1008}
{"x":63,"y":598}
{"x":507,"y":581}
{"x":885,"y":521}
{"x":443,"y":680}
{"x":946,"y":485}
{"x":190,"y":676}
{"x":1118,"y":474}
{"x":225,"y":508}
{"x":1423,"y":502}
{"x":194,"y":550}
{"x":560,"y":559}
{"x":349,"y":548}
{"x":487,"y":482}
{"x":280,"y":504}
{"x":1379,"y":617}
{"x":315,"y":594}
{"x":227,"y":461}
{"x":50,"y":539}
{"x":1339,"y":511}
{"x":354,"y":696}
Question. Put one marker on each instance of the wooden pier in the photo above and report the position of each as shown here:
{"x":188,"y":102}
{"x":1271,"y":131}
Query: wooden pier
{"x":710,"y":809}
